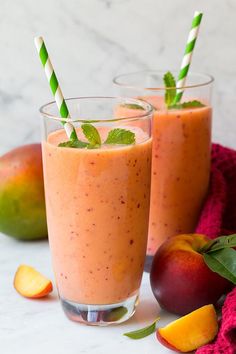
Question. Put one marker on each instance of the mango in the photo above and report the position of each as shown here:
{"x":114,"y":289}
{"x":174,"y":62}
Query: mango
{"x":22,"y":202}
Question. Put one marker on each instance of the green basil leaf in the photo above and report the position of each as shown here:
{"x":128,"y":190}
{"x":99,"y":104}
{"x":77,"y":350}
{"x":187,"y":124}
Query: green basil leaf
{"x":222,"y":262}
{"x":143,"y":332}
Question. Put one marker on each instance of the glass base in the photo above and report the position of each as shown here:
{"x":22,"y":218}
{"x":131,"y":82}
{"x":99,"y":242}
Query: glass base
{"x":148,"y":263}
{"x":100,"y":315}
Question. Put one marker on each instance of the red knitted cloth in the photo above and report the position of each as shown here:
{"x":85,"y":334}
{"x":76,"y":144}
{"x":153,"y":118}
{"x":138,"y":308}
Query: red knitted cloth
{"x":225,"y":342}
{"x":219,"y":218}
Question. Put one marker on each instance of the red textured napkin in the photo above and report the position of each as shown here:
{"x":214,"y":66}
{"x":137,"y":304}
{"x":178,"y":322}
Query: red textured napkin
{"x":218,"y":217}
{"x":225,"y":342}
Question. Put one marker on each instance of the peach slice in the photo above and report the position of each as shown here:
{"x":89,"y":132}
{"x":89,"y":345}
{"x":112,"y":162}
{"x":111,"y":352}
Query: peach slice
{"x":190,"y":331}
{"x":28,"y":282}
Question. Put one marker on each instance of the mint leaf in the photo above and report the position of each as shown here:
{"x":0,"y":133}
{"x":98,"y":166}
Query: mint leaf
{"x":92,"y":135}
{"x":115,"y":136}
{"x":222,"y":262}
{"x":77,"y":144}
{"x":132,"y":106}
{"x":220,"y":243}
{"x":170,"y":85}
{"x":115,"y":314}
{"x":143,"y":332}
{"x":192,"y":104}
{"x":120,"y":136}
{"x":189,"y":104}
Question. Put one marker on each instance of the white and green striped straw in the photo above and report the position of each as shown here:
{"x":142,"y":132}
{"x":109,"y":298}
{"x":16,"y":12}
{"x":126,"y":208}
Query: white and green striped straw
{"x":188,"y":55}
{"x":55,"y":88}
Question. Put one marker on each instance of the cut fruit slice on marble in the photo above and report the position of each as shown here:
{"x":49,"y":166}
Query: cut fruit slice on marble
{"x":190,"y":331}
{"x":29,"y":283}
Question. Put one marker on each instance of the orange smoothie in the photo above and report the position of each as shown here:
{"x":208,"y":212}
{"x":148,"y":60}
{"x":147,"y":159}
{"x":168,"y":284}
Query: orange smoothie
{"x":180,"y":170}
{"x":97,"y":211}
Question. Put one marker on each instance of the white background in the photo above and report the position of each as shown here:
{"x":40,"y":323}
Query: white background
{"x":90,"y":41}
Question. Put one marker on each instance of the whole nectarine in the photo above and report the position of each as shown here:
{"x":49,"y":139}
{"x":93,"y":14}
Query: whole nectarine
{"x":180,"y":279}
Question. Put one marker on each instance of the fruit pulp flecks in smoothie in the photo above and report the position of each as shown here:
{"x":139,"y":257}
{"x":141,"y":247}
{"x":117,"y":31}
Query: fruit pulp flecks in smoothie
{"x":97,"y":211}
{"x":180,"y":170}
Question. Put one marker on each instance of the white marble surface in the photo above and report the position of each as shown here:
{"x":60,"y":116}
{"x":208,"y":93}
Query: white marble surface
{"x":90,"y":41}
{"x":40,"y":326}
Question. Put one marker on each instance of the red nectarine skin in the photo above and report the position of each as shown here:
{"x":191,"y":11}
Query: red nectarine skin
{"x":180,"y":279}
{"x":29,"y":283}
{"x":191,"y":331}
{"x":165,"y":343}
{"x":43,"y":293}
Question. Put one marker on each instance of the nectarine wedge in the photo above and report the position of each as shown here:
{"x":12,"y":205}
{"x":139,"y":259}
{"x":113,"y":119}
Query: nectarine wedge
{"x":28,"y":282}
{"x":190,"y":331}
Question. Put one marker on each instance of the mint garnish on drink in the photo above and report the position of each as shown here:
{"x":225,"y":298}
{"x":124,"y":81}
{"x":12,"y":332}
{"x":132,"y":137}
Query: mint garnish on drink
{"x":170,"y":85}
{"x":115,"y":136}
{"x":92,"y":134}
{"x":78,"y":144}
{"x":170,"y":95}
{"x":120,"y":136}
{"x":132,"y":106}
{"x":189,"y":104}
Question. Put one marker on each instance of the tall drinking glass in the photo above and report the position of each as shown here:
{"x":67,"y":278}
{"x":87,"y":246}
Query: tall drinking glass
{"x":97,"y":202}
{"x":181,"y":151}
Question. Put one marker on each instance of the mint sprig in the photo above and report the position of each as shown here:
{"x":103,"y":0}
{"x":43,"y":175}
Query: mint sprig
{"x":120,"y":136}
{"x":77,"y":144}
{"x":115,"y":136}
{"x":132,"y":106}
{"x":188,"y":104}
{"x":220,"y":256}
{"x":170,"y":85}
{"x":143,"y":332}
{"x":92,"y":134}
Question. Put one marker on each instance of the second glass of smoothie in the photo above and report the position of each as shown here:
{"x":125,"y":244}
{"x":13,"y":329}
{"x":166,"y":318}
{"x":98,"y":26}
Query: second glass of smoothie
{"x":181,"y":151}
{"x":97,"y":202}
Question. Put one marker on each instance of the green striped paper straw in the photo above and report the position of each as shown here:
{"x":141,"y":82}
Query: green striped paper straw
{"x":188,"y":55}
{"x":55,"y":87}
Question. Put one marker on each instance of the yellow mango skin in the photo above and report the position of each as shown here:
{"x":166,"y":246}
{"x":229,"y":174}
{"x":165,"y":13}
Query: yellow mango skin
{"x":29,"y":283}
{"x":22,"y":203}
{"x":191,"y":331}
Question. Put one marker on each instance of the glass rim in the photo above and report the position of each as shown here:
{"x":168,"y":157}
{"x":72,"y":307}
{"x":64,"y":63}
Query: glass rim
{"x":127,"y":100}
{"x":209,"y":80}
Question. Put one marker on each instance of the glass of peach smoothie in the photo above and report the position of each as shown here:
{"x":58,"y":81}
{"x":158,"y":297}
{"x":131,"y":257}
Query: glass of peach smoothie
{"x":181,"y":151}
{"x":97,"y":201}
